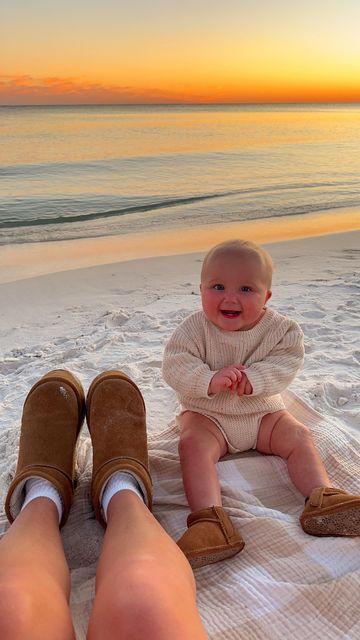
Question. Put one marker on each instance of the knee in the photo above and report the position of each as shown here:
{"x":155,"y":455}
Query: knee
{"x":28,"y":603}
{"x":303,"y":433}
{"x":136,"y":595}
{"x":187,"y":442}
{"x":189,"y":434}
{"x":301,"y":436}
{"x":190,"y":446}
{"x":17,"y":612}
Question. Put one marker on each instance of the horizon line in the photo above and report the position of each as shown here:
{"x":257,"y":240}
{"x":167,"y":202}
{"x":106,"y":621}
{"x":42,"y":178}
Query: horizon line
{"x":179,"y":103}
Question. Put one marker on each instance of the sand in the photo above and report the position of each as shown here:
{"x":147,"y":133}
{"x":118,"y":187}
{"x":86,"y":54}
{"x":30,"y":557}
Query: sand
{"x":119,"y":315}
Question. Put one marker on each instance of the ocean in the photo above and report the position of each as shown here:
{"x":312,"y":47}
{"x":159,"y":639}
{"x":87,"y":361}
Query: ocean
{"x":86,"y":171}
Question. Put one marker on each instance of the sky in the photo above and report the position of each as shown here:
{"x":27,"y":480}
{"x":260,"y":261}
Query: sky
{"x":164,"y":51}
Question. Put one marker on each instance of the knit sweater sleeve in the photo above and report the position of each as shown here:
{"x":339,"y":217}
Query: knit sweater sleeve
{"x":183,"y":368}
{"x":274,"y":372}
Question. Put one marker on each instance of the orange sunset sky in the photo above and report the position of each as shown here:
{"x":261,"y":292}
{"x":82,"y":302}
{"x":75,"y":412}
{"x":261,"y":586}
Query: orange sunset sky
{"x":161,"y":51}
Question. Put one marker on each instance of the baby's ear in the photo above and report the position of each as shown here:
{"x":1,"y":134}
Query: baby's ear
{"x":268,"y":295}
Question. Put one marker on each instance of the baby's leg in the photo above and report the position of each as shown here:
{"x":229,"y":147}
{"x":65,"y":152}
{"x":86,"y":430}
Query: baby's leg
{"x":210,"y":536}
{"x":201,"y":446}
{"x":282,"y":435}
{"x":328,"y":511}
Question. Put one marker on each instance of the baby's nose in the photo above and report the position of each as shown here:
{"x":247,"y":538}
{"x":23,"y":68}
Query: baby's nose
{"x":232,"y":295}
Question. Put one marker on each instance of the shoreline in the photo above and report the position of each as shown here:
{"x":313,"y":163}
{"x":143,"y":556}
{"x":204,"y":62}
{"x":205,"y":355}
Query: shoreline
{"x":20,"y":262}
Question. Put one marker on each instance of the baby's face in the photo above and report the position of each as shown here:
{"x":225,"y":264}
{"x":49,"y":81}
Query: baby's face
{"x":234,"y":290}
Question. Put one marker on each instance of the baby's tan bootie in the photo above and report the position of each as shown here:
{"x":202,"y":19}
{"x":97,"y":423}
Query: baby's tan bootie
{"x":210,"y":537}
{"x":331,"y":512}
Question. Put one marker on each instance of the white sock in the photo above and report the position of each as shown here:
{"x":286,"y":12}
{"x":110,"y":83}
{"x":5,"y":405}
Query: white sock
{"x":118,"y":481}
{"x":37,"y":487}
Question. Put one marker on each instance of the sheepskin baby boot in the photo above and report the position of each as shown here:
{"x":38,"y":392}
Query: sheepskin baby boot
{"x":331,"y":512}
{"x":210,"y":537}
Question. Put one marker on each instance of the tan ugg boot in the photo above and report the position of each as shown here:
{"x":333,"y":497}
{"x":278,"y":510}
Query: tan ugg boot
{"x":210,"y":537}
{"x":331,"y":512}
{"x":116,"y":419}
{"x":53,"y":413}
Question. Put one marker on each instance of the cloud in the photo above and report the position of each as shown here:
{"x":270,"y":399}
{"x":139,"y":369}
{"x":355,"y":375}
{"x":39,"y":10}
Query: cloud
{"x":25,"y":89}
{"x":30,"y":90}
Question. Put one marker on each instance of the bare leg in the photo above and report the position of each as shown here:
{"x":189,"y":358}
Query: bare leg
{"x":200,"y":448}
{"x":34,"y":577}
{"x":144,"y":585}
{"x":282,"y":435}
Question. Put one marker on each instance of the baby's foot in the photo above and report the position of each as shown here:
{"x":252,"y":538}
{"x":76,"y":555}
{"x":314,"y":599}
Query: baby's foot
{"x":210,"y":537}
{"x":331,"y":512}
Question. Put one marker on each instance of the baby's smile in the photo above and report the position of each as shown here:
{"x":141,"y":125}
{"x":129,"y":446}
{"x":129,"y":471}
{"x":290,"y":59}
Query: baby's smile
{"x":228,"y":313}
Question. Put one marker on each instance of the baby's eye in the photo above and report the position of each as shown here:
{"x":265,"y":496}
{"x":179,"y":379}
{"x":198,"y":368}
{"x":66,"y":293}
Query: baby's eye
{"x":245,"y":289}
{"x":219,"y":287}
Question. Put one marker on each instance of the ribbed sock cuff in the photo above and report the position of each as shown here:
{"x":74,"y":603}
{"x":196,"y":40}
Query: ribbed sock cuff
{"x":37,"y":487}
{"x":118,"y":481}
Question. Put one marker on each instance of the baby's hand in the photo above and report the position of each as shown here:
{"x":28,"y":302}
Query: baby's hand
{"x":227,"y":378}
{"x":244,"y":387}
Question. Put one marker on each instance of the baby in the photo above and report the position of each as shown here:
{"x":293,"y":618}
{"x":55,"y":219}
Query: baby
{"x":228,"y":364}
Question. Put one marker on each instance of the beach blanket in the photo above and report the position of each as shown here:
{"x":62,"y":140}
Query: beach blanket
{"x":284,"y":584}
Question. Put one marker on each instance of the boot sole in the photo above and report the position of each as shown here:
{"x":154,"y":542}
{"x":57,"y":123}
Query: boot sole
{"x":201,"y":560}
{"x":341,"y":523}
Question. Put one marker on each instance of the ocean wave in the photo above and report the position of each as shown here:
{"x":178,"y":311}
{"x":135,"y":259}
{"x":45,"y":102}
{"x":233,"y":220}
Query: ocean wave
{"x":84,"y":217}
{"x":12,"y":214}
{"x":187,"y":219}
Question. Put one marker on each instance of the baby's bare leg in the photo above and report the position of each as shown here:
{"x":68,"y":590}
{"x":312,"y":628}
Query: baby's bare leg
{"x":282,"y":435}
{"x":200,"y":448}
{"x":210,"y":536}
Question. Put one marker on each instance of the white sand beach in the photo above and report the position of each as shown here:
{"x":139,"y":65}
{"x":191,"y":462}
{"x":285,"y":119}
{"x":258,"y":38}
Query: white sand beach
{"x":119,"y":315}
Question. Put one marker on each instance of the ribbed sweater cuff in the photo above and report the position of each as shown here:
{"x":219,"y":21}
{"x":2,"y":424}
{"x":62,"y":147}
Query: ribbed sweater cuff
{"x":202,"y":384}
{"x":256,"y":380}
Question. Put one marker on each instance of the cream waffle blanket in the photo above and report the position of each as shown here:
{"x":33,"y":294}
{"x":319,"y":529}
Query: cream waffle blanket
{"x":284,"y":584}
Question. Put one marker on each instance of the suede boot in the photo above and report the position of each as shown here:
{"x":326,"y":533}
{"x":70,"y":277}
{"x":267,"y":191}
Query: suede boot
{"x":331,"y":512}
{"x":210,"y":537}
{"x":52,"y":417}
{"x":116,"y":419}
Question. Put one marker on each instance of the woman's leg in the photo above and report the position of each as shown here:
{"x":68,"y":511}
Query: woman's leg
{"x":144,"y":587}
{"x":34,"y":577}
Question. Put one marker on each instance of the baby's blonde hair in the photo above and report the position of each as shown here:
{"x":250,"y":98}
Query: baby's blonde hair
{"x":242,"y":246}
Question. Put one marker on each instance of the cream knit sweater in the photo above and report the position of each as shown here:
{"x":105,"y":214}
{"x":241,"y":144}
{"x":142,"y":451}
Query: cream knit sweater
{"x":272,"y":352}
